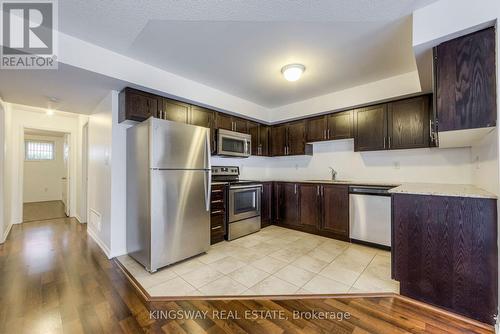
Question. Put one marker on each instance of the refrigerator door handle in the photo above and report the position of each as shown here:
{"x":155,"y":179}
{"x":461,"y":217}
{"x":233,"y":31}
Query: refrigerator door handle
{"x":208,"y":189}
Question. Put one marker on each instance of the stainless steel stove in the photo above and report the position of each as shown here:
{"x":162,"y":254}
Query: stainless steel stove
{"x":244,"y":201}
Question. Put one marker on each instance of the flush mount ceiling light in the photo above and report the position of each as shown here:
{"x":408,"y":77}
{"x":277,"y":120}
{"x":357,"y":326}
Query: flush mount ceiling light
{"x":293,"y":72}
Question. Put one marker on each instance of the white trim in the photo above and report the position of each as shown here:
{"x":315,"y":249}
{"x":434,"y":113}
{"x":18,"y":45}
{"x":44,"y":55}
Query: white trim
{"x":79,"y":219}
{"x":99,"y":242}
{"x":6,"y":233}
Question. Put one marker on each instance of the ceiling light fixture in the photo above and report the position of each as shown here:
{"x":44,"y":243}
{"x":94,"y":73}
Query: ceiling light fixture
{"x":293,"y":72}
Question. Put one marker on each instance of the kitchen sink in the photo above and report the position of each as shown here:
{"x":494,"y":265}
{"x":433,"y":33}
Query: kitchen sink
{"x":331,"y":181}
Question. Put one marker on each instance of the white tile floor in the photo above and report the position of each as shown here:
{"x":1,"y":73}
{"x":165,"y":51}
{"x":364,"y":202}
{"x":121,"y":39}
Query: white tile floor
{"x":274,"y":261}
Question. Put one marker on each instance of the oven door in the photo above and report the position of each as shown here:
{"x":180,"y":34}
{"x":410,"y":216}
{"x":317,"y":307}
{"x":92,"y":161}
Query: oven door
{"x":235,"y":144}
{"x":244,"y":202}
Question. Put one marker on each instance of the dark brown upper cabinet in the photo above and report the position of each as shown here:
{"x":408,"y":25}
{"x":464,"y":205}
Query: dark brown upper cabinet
{"x":202,"y":117}
{"x":260,"y":138}
{"x":402,"y":124}
{"x":286,"y":203}
{"x":289,"y":139}
{"x":136,"y":105}
{"x":465,"y":82}
{"x":338,"y":125}
{"x":370,"y":126}
{"x":231,"y":123}
{"x":175,"y":111}
{"x":335,"y":210}
{"x":278,"y":140}
{"x":408,"y":123}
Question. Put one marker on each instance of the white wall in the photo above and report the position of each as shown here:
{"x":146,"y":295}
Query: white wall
{"x":42,"y":179}
{"x":23,"y":117}
{"x":385,"y":89}
{"x":107,"y":177}
{"x":99,"y":178}
{"x":2,"y":170}
{"x":416,"y":165}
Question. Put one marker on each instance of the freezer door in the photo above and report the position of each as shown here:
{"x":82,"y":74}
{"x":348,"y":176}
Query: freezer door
{"x":180,"y":221}
{"x":179,"y":146}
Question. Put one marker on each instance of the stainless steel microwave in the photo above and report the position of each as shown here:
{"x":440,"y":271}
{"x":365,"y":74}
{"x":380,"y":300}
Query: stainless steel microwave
{"x":234,"y":144}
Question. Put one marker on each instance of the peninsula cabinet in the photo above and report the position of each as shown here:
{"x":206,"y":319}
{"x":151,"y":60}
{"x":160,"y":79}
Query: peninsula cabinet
{"x":444,"y":252}
{"x":465,"y":82}
{"x":136,"y":105}
{"x":402,"y":124}
{"x":334,"y":126}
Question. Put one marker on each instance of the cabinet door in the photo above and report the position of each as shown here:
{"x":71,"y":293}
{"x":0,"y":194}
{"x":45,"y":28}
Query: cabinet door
{"x":316,"y":129}
{"x":201,"y":117}
{"x":240,"y":125}
{"x":253,"y":130}
{"x":175,"y":111}
{"x":267,"y":204}
{"x":408,"y":123}
{"x":465,"y":82}
{"x":309,"y":205}
{"x":288,"y":204}
{"x":296,"y":138}
{"x":370,"y":128}
{"x":340,"y":125}
{"x":264,"y":131}
{"x":137,"y":106}
{"x":278,"y":140}
{"x":335,"y":204}
{"x":224,"y":122}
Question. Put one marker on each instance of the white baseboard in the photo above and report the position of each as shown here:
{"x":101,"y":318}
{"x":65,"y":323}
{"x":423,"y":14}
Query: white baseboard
{"x":6,"y":233}
{"x":99,"y":242}
{"x":79,"y":219}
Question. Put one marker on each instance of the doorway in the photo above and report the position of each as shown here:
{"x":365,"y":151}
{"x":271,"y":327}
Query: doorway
{"x":46,"y":175}
{"x":85,"y":173}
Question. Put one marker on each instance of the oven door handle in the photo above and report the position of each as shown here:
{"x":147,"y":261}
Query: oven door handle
{"x":245,"y":187}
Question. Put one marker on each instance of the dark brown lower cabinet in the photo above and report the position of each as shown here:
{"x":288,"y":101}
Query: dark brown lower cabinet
{"x":312,"y":207}
{"x":286,"y":203}
{"x":335,"y":211}
{"x":267,"y":204}
{"x":217,"y":214}
{"x":444,"y":252}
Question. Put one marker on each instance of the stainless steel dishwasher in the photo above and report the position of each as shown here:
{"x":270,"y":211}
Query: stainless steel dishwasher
{"x":370,"y":214}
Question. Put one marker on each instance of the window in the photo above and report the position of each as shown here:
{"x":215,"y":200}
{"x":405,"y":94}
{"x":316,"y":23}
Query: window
{"x":39,"y":150}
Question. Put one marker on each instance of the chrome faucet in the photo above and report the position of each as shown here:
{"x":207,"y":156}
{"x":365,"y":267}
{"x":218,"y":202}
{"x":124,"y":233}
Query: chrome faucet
{"x":334,"y":173}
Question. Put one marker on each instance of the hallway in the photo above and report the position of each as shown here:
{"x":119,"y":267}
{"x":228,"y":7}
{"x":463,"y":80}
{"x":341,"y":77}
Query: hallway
{"x":55,"y":279}
{"x":43,"y":211}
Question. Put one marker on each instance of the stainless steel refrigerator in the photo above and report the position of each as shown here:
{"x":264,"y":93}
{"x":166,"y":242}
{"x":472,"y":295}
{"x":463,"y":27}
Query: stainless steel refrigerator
{"x":168,"y":192}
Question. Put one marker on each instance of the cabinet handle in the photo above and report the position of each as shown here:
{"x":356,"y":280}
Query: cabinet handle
{"x":322,"y":191}
{"x":324,"y":134}
{"x":217,"y":227}
{"x":389,"y":142}
{"x":295,"y":189}
{"x":284,"y":150}
{"x":217,"y":211}
{"x":317,"y":190}
{"x":328,"y":133}
{"x":385,"y":139}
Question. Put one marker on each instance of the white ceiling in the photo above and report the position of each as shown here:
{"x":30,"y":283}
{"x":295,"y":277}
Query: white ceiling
{"x":240,"y":46}
{"x":76,"y":90}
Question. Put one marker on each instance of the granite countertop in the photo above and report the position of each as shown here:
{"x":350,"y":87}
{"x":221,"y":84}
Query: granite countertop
{"x":440,"y":189}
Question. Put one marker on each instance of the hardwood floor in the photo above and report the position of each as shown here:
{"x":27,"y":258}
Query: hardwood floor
{"x":55,"y":279}
{"x":43,"y":210}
